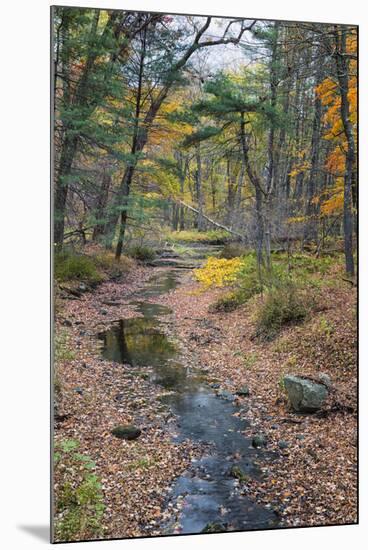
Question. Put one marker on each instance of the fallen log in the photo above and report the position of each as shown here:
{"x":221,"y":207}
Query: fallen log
{"x":213,"y":222}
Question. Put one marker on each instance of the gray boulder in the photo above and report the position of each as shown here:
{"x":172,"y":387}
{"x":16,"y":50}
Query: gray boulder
{"x":304,"y":395}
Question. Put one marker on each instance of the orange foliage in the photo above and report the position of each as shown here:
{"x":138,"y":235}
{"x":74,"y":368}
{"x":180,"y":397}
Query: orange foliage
{"x":328,"y":92}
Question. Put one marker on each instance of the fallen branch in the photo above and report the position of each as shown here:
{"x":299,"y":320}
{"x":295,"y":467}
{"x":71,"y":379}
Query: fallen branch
{"x":216,"y":224}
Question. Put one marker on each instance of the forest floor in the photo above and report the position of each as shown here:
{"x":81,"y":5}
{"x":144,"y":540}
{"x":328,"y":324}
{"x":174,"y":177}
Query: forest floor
{"x":313,"y":480}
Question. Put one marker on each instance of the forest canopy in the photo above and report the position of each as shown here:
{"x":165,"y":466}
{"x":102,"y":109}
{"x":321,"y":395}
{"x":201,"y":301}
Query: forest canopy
{"x":186,"y":122}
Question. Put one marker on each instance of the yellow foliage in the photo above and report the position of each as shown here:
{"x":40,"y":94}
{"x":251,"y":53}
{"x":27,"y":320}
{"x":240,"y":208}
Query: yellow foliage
{"x":335,"y":203}
{"x":218,"y":272}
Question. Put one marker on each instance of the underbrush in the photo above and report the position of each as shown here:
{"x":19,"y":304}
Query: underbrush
{"x":141,"y":253}
{"x":291,"y":290}
{"x":208,"y":237}
{"x":79,"y":505}
{"x":72,"y":266}
{"x":91,"y":268}
{"x":114,"y":268}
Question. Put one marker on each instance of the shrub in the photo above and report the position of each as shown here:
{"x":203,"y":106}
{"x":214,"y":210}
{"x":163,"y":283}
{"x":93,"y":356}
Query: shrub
{"x":79,"y":503}
{"x":141,"y":253}
{"x":218,"y":272}
{"x":283,"y":305}
{"x":229,"y":302}
{"x":71,"y":266}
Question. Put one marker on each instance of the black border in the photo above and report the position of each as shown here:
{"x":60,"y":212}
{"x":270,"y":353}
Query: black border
{"x":51,"y":408}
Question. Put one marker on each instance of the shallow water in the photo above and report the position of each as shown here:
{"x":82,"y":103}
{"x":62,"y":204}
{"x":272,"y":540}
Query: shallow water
{"x":210,"y":494}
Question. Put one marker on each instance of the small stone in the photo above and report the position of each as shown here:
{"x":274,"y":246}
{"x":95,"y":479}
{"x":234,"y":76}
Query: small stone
{"x":78,"y":390}
{"x":259,"y":440}
{"x":275,"y":427}
{"x":237,"y":472}
{"x":283,"y":444}
{"x":82,"y":287}
{"x":103,"y":311}
{"x":225,"y":394}
{"x":126,"y":432}
{"x":67,"y":323}
{"x":243,"y":391}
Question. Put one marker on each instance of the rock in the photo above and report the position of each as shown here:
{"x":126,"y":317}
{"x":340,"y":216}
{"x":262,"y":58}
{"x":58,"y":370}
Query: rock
{"x":325,"y":379}
{"x":237,"y":472}
{"x":103,"y":311}
{"x":259,"y":440}
{"x":283,"y":444}
{"x":225,"y":394}
{"x":300,"y":437}
{"x":126,"y":432}
{"x":214,"y":528}
{"x":275,"y":427}
{"x":304,"y":395}
{"x":78,"y":390}
{"x":67,"y":323}
{"x":243,"y":391}
{"x":82,"y":287}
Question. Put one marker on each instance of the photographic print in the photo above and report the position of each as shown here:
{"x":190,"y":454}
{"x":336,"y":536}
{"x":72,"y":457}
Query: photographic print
{"x":204,"y":231}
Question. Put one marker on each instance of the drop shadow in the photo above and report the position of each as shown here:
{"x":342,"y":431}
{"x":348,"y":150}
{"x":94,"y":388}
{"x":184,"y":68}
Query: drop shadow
{"x":41,"y":532}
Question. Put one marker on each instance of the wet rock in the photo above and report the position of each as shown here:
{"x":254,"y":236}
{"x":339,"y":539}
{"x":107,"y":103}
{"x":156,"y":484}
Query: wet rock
{"x":243,"y":391}
{"x":227,"y":395}
{"x":126,"y":432}
{"x":283,"y":444}
{"x":214,"y":528}
{"x":259,"y":440}
{"x":304,"y":395}
{"x":237,"y":472}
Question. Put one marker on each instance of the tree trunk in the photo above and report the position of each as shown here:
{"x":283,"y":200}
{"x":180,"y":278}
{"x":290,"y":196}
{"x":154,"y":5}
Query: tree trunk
{"x":310,"y":228}
{"x":102,"y":199}
{"x":342,"y":66}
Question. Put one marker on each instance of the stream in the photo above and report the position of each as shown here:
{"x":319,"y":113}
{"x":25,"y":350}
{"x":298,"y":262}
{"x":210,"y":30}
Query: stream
{"x":209,"y":495}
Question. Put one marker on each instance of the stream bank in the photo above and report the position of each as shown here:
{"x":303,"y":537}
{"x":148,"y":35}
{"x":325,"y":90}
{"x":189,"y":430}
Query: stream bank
{"x":164,"y":358}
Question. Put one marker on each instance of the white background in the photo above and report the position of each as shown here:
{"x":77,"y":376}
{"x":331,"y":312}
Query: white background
{"x":24,"y":256}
